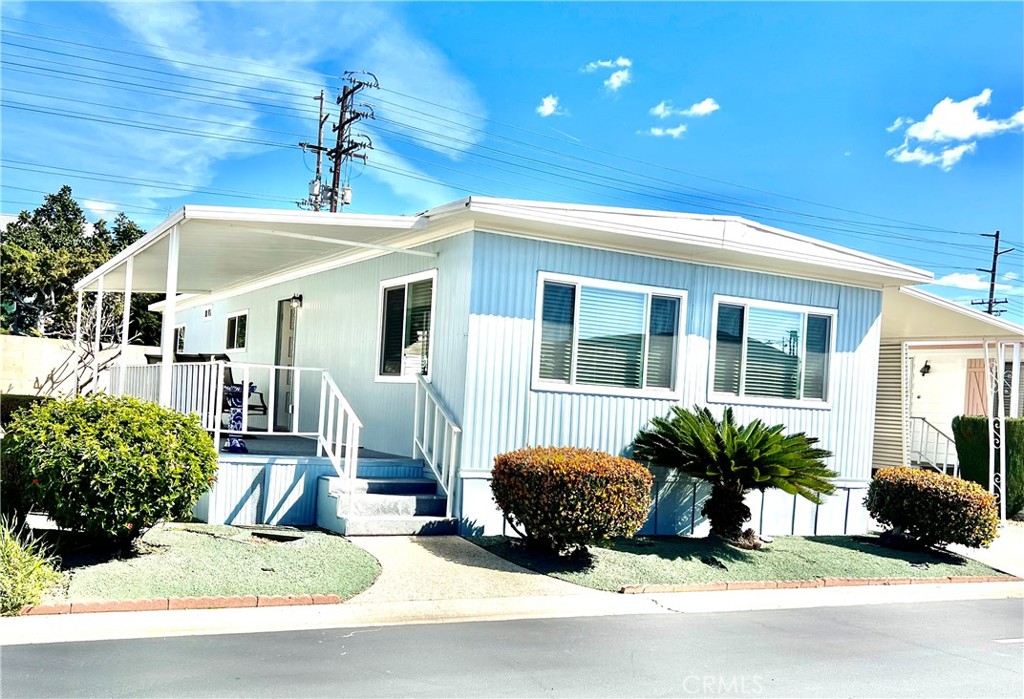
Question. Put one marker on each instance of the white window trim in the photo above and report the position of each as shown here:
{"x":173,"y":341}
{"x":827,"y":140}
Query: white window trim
{"x":539,"y":384}
{"x":389,"y":284}
{"x":179,"y":326}
{"x":227,"y":318}
{"x":732,"y":399}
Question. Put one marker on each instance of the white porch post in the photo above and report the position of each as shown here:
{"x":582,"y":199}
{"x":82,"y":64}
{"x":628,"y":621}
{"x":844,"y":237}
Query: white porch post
{"x":78,"y":341}
{"x":167,"y":324}
{"x":96,"y":336}
{"x":129,"y":272}
{"x":1015,"y":381}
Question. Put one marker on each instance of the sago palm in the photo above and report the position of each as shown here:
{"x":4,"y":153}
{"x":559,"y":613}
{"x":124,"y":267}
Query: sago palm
{"x":735,"y":460}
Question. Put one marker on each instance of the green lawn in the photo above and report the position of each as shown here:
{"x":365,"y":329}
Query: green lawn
{"x":675,"y":560}
{"x":180,"y":560}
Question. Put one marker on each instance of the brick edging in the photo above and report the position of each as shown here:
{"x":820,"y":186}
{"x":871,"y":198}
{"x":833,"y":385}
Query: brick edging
{"x":817,"y":582}
{"x":165,"y":603}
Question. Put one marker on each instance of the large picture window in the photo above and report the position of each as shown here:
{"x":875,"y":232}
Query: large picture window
{"x":597,"y":336}
{"x":406,"y":327}
{"x":771,"y":351}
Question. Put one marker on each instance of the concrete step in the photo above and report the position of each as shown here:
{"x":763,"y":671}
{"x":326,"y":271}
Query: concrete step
{"x":400,"y":526}
{"x":390,"y":468}
{"x":387,"y":486}
{"x":367,"y":505}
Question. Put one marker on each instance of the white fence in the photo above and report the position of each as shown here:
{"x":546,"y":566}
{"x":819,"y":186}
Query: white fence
{"x":272,"y":403}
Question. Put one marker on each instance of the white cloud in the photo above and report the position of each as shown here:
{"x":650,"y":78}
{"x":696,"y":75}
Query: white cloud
{"x":945,"y":158}
{"x":702,"y":108}
{"x":847,"y":154}
{"x":1011,"y":276}
{"x":899,"y":123}
{"x":969,"y":281}
{"x":674,"y":132}
{"x":618,"y":79}
{"x":956,"y":123}
{"x":960,"y":121}
{"x":99,"y":209}
{"x":549,"y":107}
{"x":620,"y":76}
{"x":665,"y":109}
{"x":620,"y":62}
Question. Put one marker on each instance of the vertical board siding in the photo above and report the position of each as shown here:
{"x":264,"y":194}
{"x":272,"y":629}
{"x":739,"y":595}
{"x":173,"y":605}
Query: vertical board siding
{"x":265,"y":490}
{"x":337,"y":331}
{"x":502,"y":412}
{"x":890,"y":407}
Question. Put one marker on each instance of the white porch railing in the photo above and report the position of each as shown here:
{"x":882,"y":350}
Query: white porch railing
{"x":274,"y":407}
{"x":436,"y":439}
{"x":338,"y":433}
{"x":929,"y":446}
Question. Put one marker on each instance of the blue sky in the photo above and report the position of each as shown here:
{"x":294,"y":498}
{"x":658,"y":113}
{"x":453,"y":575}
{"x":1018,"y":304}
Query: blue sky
{"x":891,"y":128}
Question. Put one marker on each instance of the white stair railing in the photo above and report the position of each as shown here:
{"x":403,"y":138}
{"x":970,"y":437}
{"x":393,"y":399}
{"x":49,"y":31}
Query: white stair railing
{"x":338,"y":433}
{"x":436,"y":438}
{"x":929,"y":446}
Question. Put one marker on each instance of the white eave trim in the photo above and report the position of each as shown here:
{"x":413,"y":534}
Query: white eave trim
{"x":134,"y":249}
{"x":947,"y":304}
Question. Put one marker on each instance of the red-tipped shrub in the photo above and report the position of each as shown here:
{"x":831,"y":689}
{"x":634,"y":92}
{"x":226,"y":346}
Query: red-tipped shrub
{"x":933,"y":508}
{"x":564,"y":497}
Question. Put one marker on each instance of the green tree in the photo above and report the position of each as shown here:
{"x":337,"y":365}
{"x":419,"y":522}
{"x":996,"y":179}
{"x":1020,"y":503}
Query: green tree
{"x":734,"y":460}
{"x":45,"y":252}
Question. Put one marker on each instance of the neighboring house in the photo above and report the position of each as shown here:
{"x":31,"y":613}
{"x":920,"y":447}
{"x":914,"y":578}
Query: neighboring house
{"x":487,"y":325}
{"x":932,"y":367}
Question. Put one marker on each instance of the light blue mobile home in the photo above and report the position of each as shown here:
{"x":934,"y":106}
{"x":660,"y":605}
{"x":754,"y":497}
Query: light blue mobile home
{"x":417,"y":348}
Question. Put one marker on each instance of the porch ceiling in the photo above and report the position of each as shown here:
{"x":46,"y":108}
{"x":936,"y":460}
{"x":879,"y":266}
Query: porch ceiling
{"x":912,"y":314}
{"x":221,"y":248}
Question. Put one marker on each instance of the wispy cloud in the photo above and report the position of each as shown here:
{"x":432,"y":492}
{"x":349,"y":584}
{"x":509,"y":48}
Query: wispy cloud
{"x":621,"y":75}
{"x":620,"y":62}
{"x":958,"y":124}
{"x":665,"y":109}
{"x":659,"y":132}
{"x":549,"y":107}
{"x":99,"y":209}
{"x":969,"y":281}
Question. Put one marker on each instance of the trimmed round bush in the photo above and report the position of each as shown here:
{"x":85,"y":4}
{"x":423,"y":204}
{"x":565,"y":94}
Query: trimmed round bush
{"x":110,"y":466}
{"x":933,"y":508}
{"x":565,"y":497}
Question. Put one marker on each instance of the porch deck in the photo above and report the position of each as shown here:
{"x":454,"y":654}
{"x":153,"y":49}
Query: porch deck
{"x":291,"y":446}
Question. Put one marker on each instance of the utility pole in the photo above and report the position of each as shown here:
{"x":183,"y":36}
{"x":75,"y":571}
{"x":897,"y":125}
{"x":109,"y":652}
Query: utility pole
{"x":992,"y":301}
{"x":316,"y":185}
{"x":347,"y":145}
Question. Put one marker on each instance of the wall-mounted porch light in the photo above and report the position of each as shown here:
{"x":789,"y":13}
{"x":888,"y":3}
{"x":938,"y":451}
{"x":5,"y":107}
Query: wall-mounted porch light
{"x":926,"y":369}
{"x":296,"y":301}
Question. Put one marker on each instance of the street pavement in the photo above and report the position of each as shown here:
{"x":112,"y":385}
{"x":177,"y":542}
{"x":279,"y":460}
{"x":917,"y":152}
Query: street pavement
{"x":952,"y":648}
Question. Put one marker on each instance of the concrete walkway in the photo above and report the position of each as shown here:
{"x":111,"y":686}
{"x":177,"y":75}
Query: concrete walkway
{"x":1006,"y":553}
{"x":422,"y":568}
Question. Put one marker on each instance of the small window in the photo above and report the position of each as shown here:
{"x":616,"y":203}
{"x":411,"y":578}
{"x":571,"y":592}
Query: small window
{"x":237,"y":326}
{"x":179,"y":338}
{"x":603,"y":334}
{"x":406,"y":324}
{"x":771,"y":351}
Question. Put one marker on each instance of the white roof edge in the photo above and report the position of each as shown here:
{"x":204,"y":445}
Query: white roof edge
{"x":880,"y":266}
{"x":947,"y":304}
{"x":133,"y":249}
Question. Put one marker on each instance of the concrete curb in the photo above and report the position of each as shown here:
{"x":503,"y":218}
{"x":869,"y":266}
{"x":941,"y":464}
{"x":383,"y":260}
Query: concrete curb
{"x":817,"y":582}
{"x":168,"y":603}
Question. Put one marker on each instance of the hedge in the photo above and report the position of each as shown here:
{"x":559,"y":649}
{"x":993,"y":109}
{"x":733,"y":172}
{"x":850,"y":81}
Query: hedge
{"x":971,"y":436}
{"x":109,"y":466}
{"x":565,"y":497}
{"x":933,"y":508}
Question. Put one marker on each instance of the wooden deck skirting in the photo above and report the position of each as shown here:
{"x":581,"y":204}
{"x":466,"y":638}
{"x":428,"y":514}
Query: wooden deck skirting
{"x":817,"y":582}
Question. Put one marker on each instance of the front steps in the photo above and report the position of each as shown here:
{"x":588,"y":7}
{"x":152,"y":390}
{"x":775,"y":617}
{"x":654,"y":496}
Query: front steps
{"x":388,"y":498}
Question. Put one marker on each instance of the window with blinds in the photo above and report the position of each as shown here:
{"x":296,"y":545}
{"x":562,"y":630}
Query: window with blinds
{"x":771,"y":351}
{"x":405,"y":327}
{"x":607,"y":335}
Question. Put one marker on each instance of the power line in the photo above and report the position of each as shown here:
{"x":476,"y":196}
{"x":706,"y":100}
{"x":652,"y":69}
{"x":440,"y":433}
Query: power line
{"x":264,"y":77}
